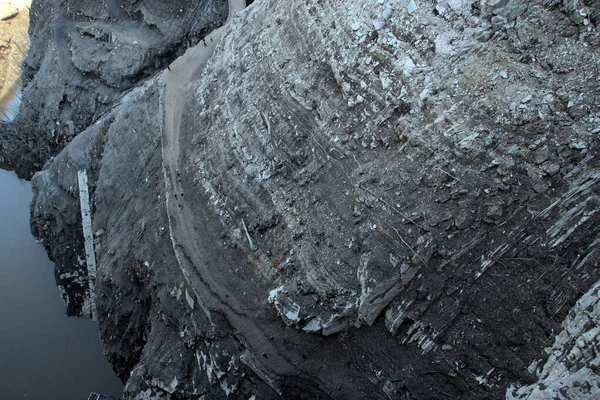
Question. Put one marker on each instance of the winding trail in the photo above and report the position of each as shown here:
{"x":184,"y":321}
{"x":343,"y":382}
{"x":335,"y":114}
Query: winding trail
{"x":193,"y":256}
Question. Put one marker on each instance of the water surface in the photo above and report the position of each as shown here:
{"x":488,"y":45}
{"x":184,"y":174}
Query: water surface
{"x":43,"y":353}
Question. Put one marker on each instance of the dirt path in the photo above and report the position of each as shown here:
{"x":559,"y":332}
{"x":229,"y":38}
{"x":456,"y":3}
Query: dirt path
{"x":193,"y":257}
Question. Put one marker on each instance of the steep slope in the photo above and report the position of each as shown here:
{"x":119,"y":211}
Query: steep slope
{"x":382,"y":200}
{"x":84,"y":55}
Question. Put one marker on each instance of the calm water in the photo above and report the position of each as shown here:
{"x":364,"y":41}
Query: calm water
{"x":43,"y":353}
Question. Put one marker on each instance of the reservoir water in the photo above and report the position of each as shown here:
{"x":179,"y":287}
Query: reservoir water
{"x":43,"y":353}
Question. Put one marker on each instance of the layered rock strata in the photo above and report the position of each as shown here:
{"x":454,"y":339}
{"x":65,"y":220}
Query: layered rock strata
{"x":377,"y":200}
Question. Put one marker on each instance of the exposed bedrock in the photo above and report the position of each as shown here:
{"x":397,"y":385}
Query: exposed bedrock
{"x":84,"y":55}
{"x":382,"y":200}
{"x":570,"y":371}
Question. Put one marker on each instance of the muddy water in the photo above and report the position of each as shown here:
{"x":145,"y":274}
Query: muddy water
{"x":43,"y":353}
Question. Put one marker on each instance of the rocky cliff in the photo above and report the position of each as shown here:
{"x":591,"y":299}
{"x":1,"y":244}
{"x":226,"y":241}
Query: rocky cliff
{"x":369,"y":199}
{"x":85,"y":55}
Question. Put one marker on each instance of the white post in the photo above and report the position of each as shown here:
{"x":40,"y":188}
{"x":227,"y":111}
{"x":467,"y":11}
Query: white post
{"x":86,"y":219}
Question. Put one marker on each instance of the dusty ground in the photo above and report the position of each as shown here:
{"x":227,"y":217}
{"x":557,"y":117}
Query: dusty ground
{"x":14,"y":45}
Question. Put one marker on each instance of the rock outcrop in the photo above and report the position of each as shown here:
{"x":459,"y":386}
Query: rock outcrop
{"x":573,"y":360}
{"x":389,"y":199}
{"x":86,"y":54}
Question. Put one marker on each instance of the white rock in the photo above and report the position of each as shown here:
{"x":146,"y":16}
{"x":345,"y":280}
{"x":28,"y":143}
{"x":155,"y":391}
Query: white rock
{"x":386,"y":82}
{"x":412,"y":7}
{"x":567,"y":367}
{"x":408,"y":66}
{"x":378,"y":24}
{"x":441,"y":9}
{"x":386,"y":13}
{"x":314,"y":325}
{"x":455,"y":5}
{"x":273,"y":294}
{"x":442,"y":43}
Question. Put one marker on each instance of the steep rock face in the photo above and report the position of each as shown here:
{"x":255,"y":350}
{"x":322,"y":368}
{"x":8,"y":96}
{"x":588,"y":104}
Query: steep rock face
{"x":84,"y":55}
{"x":384,"y":200}
{"x":573,"y":359}
{"x":368,"y":160}
{"x":56,"y":220}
